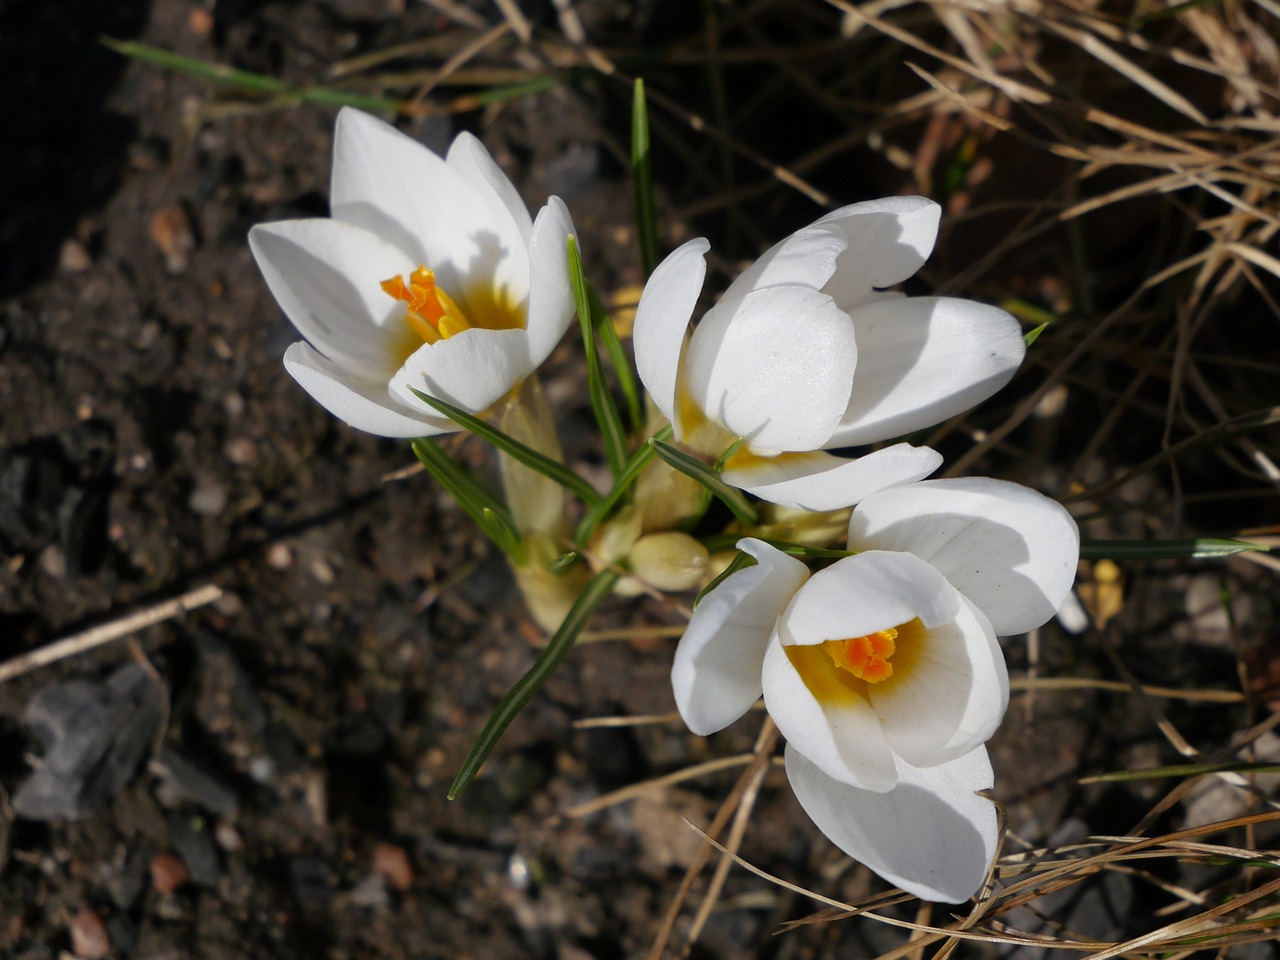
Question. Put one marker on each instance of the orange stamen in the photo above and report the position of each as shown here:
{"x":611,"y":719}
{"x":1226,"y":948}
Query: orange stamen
{"x":867,"y":658}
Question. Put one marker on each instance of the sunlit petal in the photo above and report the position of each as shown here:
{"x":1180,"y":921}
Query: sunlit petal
{"x":932,"y":835}
{"x":1009,"y":549}
{"x":662,"y":320}
{"x":935,"y":357}
{"x":716,"y":673}
{"x":363,"y":404}
{"x":819,"y":481}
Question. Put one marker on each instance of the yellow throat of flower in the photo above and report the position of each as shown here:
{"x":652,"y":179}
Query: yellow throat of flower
{"x":431,"y":315}
{"x":867,"y":658}
{"x":840,"y":670}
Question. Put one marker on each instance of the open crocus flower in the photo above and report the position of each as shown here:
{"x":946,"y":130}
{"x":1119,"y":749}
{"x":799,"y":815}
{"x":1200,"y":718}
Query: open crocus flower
{"x":429,"y":276}
{"x":882,"y":670}
{"x":806,"y":352}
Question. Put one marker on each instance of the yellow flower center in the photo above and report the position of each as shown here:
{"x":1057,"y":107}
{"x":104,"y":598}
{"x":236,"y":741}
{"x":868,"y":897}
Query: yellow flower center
{"x":431,"y":315}
{"x":842,"y":670}
{"x":867,"y":658}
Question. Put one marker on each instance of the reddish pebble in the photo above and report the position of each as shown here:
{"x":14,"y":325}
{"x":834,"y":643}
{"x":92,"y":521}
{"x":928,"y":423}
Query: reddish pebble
{"x":89,"y":940}
{"x":392,"y":864}
{"x":168,"y":872}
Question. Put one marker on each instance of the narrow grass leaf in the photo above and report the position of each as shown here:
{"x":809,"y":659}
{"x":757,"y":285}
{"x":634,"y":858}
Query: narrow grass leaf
{"x":731,"y":497}
{"x":1180,"y":770}
{"x":630,"y":472}
{"x":249,"y":82}
{"x":740,"y":562}
{"x":642,"y":179}
{"x":608,"y":334}
{"x":489,"y":514}
{"x":531,"y":458}
{"x":1201,"y":549}
{"x":528,"y":685}
{"x":606,"y":411}
{"x":1031,"y":336}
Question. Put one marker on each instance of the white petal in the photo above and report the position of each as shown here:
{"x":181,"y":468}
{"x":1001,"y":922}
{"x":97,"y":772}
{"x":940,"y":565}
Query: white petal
{"x":868,"y":592}
{"x":925,"y":359}
{"x":550,"y":296}
{"x":366,"y":406}
{"x":887,"y":239}
{"x":774,"y":365}
{"x":1009,"y":549}
{"x":806,"y":258}
{"x":326,"y":277}
{"x":819,"y":481}
{"x":472,"y":161}
{"x":948,"y":694}
{"x":932,"y":835}
{"x":662,"y":320}
{"x":840,"y":734}
{"x":393,"y":185}
{"x":472,"y":369}
{"x":716,"y":673}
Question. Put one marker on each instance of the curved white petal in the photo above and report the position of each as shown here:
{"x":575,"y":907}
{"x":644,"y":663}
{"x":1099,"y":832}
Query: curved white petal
{"x":819,"y":481}
{"x":364,"y":405}
{"x":326,"y":277}
{"x":392,"y":185}
{"x":1009,"y":549}
{"x":662,"y":320}
{"x":473,"y":163}
{"x":887,"y":241}
{"x":925,"y":359}
{"x":868,"y":592}
{"x":550,"y":296}
{"x":948,"y":692}
{"x":806,"y":258}
{"x":932,"y":835}
{"x":716,"y":673}
{"x":840,"y":734}
{"x":773,"y":365}
{"x":472,"y":369}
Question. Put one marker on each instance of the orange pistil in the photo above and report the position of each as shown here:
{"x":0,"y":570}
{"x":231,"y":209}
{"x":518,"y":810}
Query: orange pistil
{"x":431,"y":313}
{"x":867,"y":658}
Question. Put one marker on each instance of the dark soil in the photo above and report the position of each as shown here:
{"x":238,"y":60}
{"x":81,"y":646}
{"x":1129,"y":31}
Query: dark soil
{"x":291,"y":801}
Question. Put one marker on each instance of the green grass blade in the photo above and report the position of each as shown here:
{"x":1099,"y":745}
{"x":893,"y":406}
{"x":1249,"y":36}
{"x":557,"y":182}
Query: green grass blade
{"x":630,"y":472}
{"x":532,"y":682}
{"x":642,"y":180}
{"x":740,"y":562}
{"x":489,"y":514}
{"x":531,"y":458}
{"x":731,"y":497}
{"x":1180,"y":770}
{"x":618,"y":357}
{"x":247,"y":81}
{"x":1202,"y":549}
{"x":606,"y":411}
{"x":1031,"y":336}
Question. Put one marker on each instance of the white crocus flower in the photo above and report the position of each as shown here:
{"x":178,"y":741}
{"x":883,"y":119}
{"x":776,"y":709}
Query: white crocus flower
{"x":882,"y":670}
{"x":429,"y":276}
{"x":806,"y":352}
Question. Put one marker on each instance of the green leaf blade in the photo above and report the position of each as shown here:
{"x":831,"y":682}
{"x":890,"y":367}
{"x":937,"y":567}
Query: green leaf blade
{"x":731,"y":497}
{"x":1205,"y":548}
{"x":642,"y":179}
{"x":489,"y":513}
{"x":528,"y":685}
{"x":531,"y":458}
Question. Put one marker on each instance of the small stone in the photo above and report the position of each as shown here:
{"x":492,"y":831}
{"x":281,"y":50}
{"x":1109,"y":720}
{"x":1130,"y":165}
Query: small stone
{"x":89,"y":939}
{"x":168,"y":873}
{"x":172,"y":234}
{"x":241,"y":451}
{"x":73,"y":257}
{"x":53,"y":561}
{"x":279,"y":556}
{"x":392,"y":864}
{"x":209,"y":498}
{"x":200,"y":22}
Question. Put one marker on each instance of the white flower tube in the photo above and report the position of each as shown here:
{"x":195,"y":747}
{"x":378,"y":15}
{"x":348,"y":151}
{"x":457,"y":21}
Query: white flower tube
{"x":805,"y":353}
{"x":883,"y":671}
{"x":429,"y":276}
